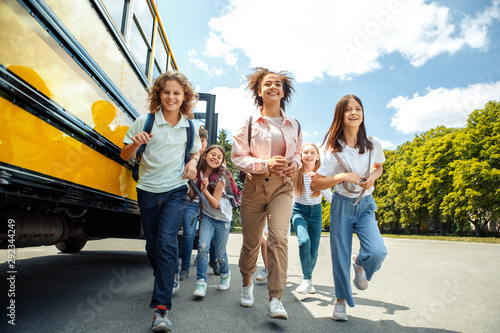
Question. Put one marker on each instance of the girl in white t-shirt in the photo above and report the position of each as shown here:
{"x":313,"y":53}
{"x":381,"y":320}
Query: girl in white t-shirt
{"x":352,"y":164}
{"x":215,"y":217}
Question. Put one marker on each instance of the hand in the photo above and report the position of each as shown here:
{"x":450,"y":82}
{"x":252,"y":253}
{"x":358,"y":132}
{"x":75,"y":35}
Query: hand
{"x":367,"y":183}
{"x":310,"y":174}
{"x":277,"y":164}
{"x":190,"y":170}
{"x":141,"y":138}
{"x":290,"y":169}
{"x":351,"y":177}
{"x":204,"y":184}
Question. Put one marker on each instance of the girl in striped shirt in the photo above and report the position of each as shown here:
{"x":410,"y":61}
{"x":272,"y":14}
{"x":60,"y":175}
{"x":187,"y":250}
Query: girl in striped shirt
{"x":307,"y":215}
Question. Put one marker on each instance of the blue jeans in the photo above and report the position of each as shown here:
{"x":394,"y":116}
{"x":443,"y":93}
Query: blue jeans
{"x":212,"y":229}
{"x":344,"y":219}
{"x":307,"y":222}
{"x":161,"y":215}
{"x":188,"y":234}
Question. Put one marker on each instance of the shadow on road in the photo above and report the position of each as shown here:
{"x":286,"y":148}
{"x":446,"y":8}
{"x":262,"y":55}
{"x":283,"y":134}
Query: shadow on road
{"x":109,"y":291}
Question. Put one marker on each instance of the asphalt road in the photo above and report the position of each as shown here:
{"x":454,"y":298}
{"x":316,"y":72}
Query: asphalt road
{"x":423,"y":286}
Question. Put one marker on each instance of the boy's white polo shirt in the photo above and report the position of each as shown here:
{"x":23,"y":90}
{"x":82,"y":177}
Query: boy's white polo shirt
{"x":162,"y":163}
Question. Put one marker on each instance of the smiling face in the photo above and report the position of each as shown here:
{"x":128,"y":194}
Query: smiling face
{"x":353,"y":114}
{"x":309,"y":154}
{"x":172,"y":96}
{"x":214,"y":158}
{"x":271,"y":89}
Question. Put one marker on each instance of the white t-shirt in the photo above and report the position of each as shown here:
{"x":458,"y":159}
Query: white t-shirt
{"x":356,"y":161}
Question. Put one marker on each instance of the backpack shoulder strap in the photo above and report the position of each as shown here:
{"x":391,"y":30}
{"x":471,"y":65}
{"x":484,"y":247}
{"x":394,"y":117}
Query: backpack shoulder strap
{"x":149,"y":123}
{"x":148,"y":127}
{"x":346,"y":168}
{"x":298,"y":132}
{"x":249,"y":130}
{"x":190,"y":141}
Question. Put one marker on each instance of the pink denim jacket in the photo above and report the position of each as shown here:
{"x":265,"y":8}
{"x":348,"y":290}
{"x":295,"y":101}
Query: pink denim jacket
{"x":254,"y":159}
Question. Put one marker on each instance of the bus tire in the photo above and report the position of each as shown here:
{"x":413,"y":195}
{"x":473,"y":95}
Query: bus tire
{"x":71,"y":245}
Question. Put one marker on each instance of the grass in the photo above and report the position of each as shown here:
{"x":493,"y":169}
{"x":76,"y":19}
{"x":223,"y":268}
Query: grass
{"x":487,"y":240}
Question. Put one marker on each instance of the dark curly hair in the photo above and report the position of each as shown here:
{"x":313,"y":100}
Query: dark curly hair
{"x":190,"y":96}
{"x":255,"y":82}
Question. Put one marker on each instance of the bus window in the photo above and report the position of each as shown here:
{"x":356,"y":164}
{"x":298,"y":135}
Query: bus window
{"x":115,"y":9}
{"x":145,"y":18}
{"x":139,"y":46}
{"x":160,"y":52}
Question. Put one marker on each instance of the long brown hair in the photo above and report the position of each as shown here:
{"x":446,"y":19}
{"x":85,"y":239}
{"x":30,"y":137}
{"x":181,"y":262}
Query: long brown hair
{"x":336,"y":131}
{"x":190,"y":96}
{"x":299,"y":175}
{"x":255,"y":82}
{"x":221,"y":169}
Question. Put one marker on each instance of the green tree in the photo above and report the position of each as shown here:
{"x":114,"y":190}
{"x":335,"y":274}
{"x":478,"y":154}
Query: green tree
{"x":325,"y":205}
{"x":222,"y":140}
{"x":475,"y":191}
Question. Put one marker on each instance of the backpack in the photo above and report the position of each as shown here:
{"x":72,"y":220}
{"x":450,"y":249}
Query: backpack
{"x":147,"y":128}
{"x":232,"y":192}
{"x":243,"y":174}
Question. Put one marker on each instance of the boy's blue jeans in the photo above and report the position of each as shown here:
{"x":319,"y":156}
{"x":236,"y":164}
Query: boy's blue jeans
{"x":161,"y":215}
{"x":188,"y":234}
{"x":344,"y":219}
{"x":218,"y":231}
{"x":307,"y":223}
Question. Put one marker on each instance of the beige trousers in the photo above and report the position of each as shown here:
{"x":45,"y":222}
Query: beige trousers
{"x":268,"y":198}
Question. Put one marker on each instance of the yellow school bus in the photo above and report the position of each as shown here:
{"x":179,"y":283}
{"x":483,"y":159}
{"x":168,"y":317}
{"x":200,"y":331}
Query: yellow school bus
{"x":74,"y":75}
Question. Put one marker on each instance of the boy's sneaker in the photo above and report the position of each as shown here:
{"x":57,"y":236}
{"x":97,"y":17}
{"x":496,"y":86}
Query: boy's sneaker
{"x":359,"y":280}
{"x":184,"y":274}
{"x":215,"y":267}
{"x":246,"y":298}
{"x":225,"y":281}
{"x":276,"y":309}
{"x":306,"y":287}
{"x":201,"y":289}
{"x":176,"y":284}
{"x":262,"y":275}
{"x":161,"y":323}
{"x":339,"y":311}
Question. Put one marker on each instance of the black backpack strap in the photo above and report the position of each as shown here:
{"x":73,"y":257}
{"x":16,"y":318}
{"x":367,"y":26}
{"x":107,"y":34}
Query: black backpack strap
{"x":147,"y":128}
{"x":190,"y":142}
{"x":249,"y":130}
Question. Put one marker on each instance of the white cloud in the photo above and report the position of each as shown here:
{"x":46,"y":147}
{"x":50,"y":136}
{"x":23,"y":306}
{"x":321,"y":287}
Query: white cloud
{"x":203,"y":65}
{"x":387,"y":144}
{"x":233,"y":105}
{"x":321,"y":37}
{"x":441,"y":106}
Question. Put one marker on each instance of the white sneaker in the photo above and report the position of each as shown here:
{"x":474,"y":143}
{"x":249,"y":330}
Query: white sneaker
{"x":339,"y":311}
{"x":359,"y":280}
{"x":306,"y":287}
{"x":246,"y":298}
{"x":161,"y":323}
{"x":276,"y":309}
{"x":225,"y":281}
{"x":262,"y":275}
{"x":201,"y":289}
{"x":176,"y":284}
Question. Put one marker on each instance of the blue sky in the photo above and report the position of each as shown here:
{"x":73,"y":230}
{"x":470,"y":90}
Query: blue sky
{"x":414,"y":64}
